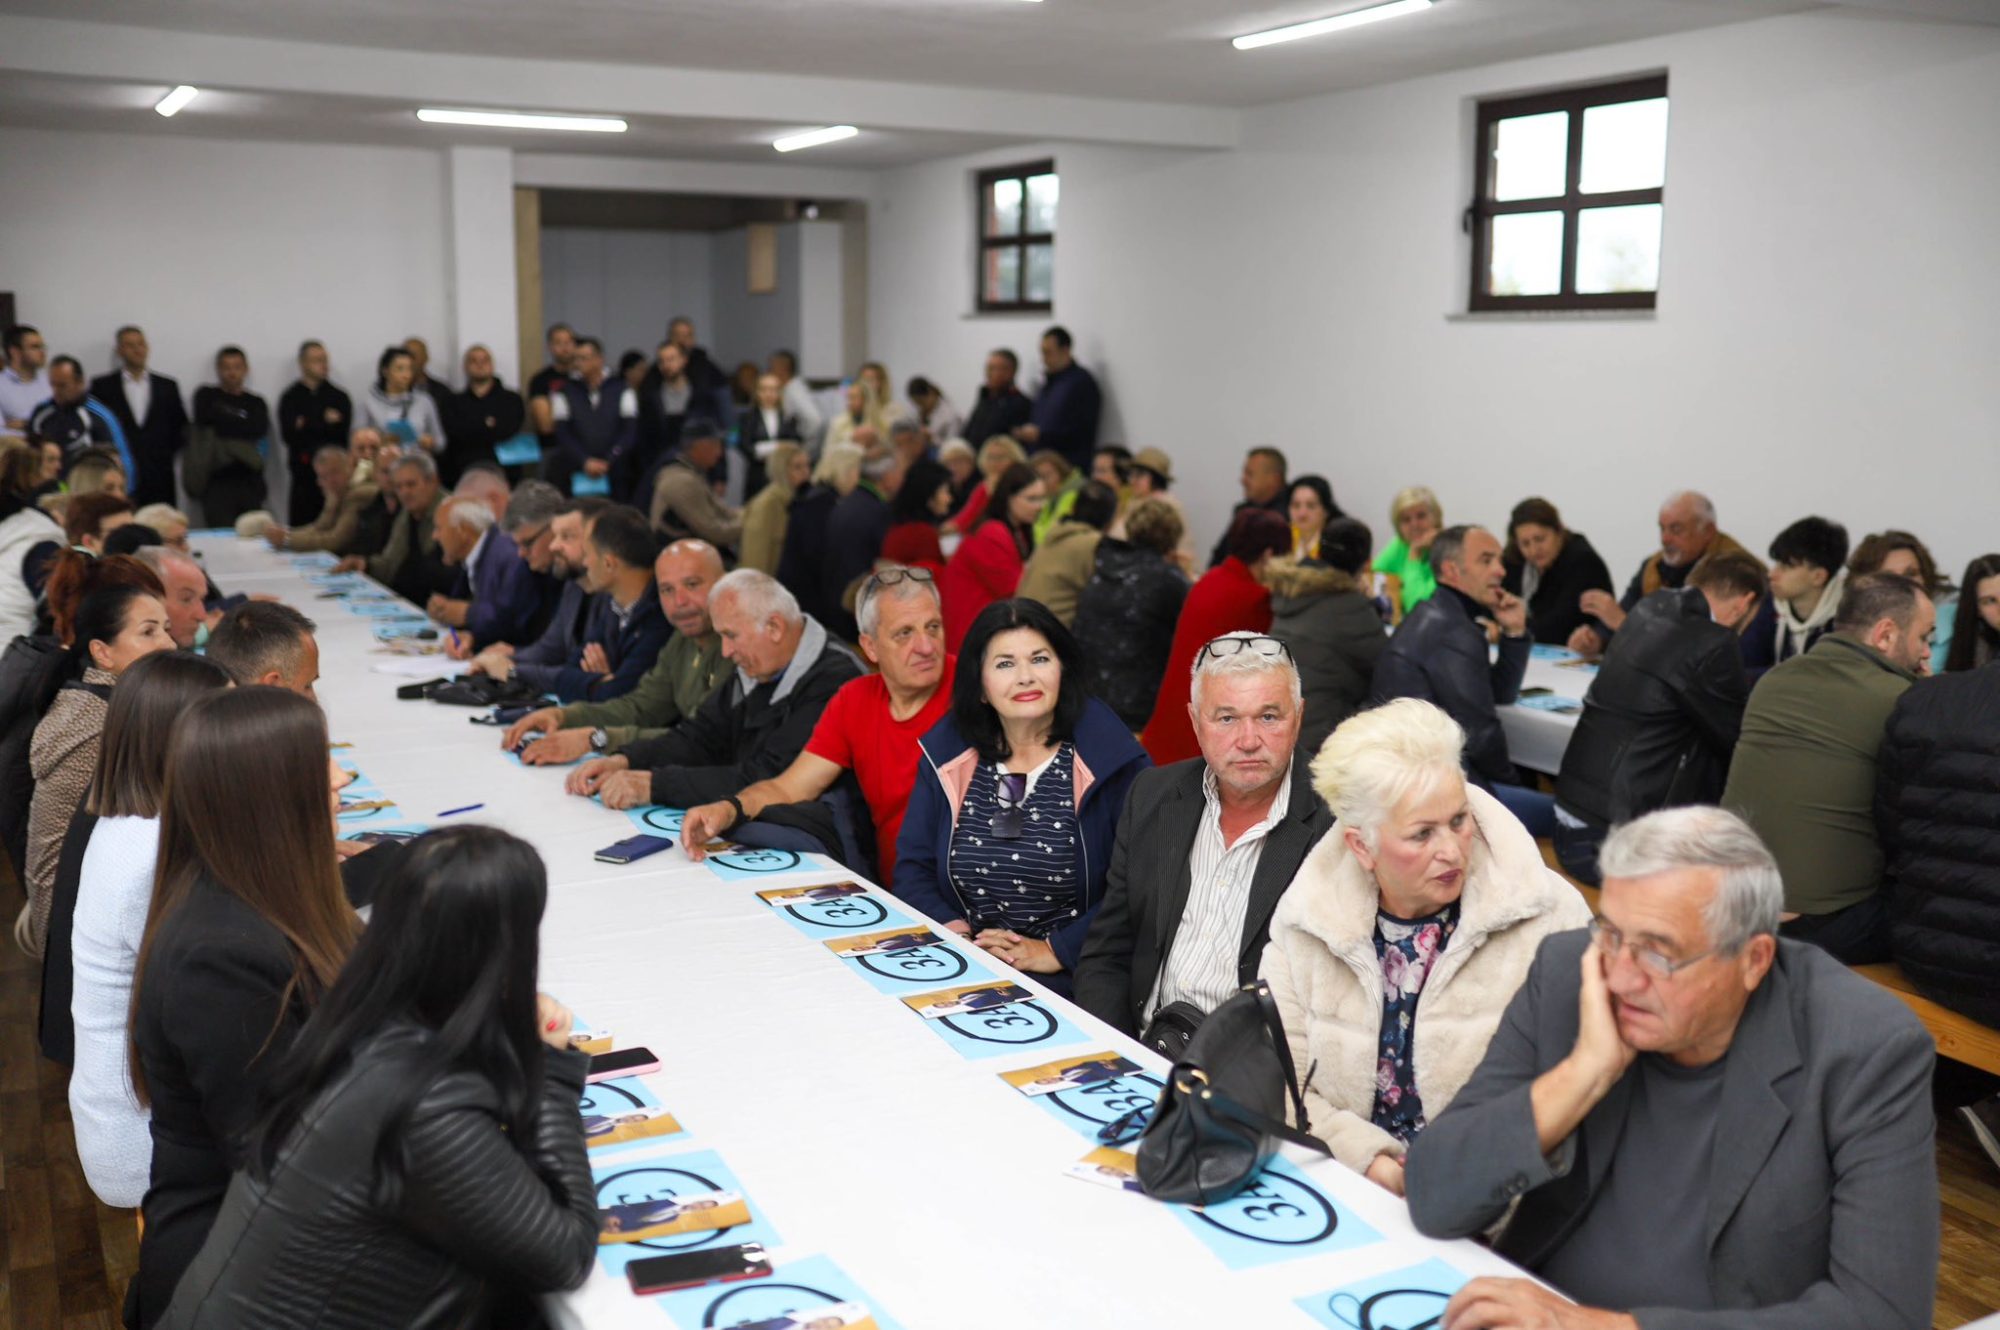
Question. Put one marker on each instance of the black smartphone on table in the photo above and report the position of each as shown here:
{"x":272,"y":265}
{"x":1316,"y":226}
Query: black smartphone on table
{"x":664,"y":1274}
{"x":621,"y":1062}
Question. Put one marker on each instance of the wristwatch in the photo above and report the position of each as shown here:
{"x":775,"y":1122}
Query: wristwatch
{"x":599,"y":739}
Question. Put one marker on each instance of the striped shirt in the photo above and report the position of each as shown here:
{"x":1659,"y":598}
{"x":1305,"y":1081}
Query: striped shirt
{"x":1201,"y":968}
{"x":1031,"y":883}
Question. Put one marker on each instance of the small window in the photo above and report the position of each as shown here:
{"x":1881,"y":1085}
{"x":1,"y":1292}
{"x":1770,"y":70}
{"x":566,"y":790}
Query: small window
{"x":1017,"y":238}
{"x":1569,"y":198}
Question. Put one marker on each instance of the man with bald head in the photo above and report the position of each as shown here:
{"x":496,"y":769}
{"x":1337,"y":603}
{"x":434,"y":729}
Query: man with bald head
{"x":484,"y":415}
{"x":689,"y":668}
{"x":1688,"y":538}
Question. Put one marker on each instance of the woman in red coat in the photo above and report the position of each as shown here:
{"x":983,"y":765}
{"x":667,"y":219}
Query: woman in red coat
{"x":987,"y":564}
{"x":1227,"y":599}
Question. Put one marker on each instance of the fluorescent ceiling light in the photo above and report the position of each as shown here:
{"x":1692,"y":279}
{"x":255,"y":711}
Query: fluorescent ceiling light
{"x":590,"y":124}
{"x":812,"y":138}
{"x":176,"y":99}
{"x":1319,"y":27}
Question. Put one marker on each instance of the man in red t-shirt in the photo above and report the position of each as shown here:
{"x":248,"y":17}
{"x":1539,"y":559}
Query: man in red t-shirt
{"x":871,"y":726}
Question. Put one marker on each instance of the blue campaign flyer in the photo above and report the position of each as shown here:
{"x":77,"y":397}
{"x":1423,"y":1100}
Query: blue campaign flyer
{"x":1281,"y":1216}
{"x":653,"y":820}
{"x":833,"y":909}
{"x":314,"y":559}
{"x":744,"y":863}
{"x":1402,"y":1298}
{"x":1088,"y":1092}
{"x":813,"y":1293}
{"x":905,"y":960}
{"x":383,"y":609}
{"x":624,"y":1114}
{"x":630,"y":1182}
{"x":988,"y":1031}
{"x":1546,"y":651}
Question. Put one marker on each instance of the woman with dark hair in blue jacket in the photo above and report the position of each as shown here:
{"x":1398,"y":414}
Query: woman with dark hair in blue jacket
{"x":1010,"y":826}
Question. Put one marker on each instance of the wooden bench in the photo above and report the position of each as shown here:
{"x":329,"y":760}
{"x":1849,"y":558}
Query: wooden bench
{"x":1959,"y":1038}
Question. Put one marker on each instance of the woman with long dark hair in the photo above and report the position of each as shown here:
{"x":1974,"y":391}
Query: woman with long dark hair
{"x":426,"y":1114}
{"x":1550,"y":566}
{"x":246,"y":929}
{"x":99,"y":918}
{"x":1310,"y":506}
{"x":1010,"y":827}
{"x":922,"y":501}
{"x":1975,"y":633}
{"x":987,"y":564}
{"x":115,"y":626}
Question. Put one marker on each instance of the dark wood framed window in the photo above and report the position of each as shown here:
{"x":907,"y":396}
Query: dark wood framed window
{"x":1569,"y":198}
{"x":1017,"y":239}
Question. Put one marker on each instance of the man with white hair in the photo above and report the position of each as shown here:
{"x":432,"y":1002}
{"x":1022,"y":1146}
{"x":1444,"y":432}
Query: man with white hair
{"x":752,"y":728}
{"x":871,"y":727}
{"x":1688,"y":537}
{"x":1701,"y":1126}
{"x":496,"y":596}
{"x":338,"y":525}
{"x":187,"y":593}
{"x":484,"y":482}
{"x":1205,"y":849}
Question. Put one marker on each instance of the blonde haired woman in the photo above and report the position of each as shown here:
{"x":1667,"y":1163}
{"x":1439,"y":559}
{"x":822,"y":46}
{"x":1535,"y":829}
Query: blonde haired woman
{"x":995,"y":456}
{"x":1417,"y":517}
{"x":787,"y":471}
{"x":864,"y":422}
{"x":1402,"y":939}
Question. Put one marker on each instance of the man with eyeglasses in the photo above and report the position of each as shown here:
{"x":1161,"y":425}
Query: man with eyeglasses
{"x":1205,"y":849}
{"x":1705,"y":1127}
{"x":871,"y":727}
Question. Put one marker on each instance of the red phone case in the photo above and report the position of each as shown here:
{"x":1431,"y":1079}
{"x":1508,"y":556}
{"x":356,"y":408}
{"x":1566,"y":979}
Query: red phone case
{"x":759,"y":1271}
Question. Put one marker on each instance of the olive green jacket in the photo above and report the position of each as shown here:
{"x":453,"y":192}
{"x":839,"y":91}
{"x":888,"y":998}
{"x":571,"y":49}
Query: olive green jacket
{"x":688,"y":670}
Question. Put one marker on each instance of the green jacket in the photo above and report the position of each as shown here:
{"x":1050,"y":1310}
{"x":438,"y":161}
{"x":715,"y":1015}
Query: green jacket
{"x":1804,"y":770}
{"x":1419,"y":583}
{"x":688,"y":670}
{"x":1056,"y":573}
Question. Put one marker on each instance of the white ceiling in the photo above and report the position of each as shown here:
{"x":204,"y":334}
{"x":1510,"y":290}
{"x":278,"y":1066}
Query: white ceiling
{"x":42,"y":101}
{"x":1151,"y":50}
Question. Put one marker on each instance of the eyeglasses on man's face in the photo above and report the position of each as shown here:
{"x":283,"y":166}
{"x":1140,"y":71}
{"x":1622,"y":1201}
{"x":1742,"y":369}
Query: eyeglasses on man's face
{"x":1606,"y":937}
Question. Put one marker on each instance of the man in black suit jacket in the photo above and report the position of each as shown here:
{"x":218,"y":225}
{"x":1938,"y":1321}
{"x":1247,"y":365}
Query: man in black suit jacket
{"x":156,"y":430}
{"x":1206,"y":846}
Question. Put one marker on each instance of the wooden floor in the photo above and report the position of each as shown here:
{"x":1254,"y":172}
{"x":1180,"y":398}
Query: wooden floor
{"x":67,"y":1258}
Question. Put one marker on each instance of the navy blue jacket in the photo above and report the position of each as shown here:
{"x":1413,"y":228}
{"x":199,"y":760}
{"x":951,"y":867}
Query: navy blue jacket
{"x":510,"y":603}
{"x":1105,"y":749}
{"x":1066,"y":412}
{"x":631,"y":650}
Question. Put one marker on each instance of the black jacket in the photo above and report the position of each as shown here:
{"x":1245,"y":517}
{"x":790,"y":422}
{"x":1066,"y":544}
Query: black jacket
{"x":210,"y":1019}
{"x":996,"y":413}
{"x":739,"y":738}
{"x":1439,"y":654}
{"x":855,"y":530}
{"x":1555,"y":610}
{"x":1660,"y":720}
{"x":1937,"y":808}
{"x":801,"y":563}
{"x":154,"y":440}
{"x":1125,"y":621}
{"x":1146,"y":890}
{"x":1280,"y":504}
{"x":478,"y":1212}
{"x":474,"y":425}
{"x":1336,"y":637}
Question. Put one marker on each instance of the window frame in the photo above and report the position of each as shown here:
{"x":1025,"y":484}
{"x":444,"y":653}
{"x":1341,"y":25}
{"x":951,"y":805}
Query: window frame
{"x":1571,"y":203}
{"x":1019,"y":241}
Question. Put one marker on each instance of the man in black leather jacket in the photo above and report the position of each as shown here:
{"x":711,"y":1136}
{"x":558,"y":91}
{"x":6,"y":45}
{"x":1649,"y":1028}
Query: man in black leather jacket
{"x":1439,"y":655}
{"x":1661,"y":718}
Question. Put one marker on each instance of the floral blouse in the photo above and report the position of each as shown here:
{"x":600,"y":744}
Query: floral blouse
{"x":1407,"y":949}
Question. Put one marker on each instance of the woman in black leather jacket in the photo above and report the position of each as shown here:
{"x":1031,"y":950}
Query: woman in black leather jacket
{"x":1126,"y":614}
{"x":420,"y":1159}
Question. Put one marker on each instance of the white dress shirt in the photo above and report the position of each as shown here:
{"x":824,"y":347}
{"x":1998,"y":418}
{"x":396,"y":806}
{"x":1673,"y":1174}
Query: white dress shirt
{"x":19,"y":397}
{"x":1201,"y":969}
{"x":138,"y":393}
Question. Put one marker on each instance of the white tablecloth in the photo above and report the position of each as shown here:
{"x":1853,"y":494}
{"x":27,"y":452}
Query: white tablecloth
{"x":1536,"y":738}
{"x":859,"y":1133}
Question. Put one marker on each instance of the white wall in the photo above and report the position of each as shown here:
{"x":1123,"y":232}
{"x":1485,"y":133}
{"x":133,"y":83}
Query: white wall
{"x":750,"y":327}
{"x":1825,"y":340}
{"x":624,"y":285}
{"x":204,"y":243}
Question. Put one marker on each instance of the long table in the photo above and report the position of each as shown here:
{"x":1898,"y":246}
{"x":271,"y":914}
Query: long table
{"x":859,"y":1134}
{"x":1537,"y":736}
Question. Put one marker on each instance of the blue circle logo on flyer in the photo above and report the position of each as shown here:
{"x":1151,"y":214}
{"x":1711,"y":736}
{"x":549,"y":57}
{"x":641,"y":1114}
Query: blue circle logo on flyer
{"x":1111,"y":1100}
{"x":760,"y":861}
{"x":607,"y":1098}
{"x":918,"y":965}
{"x":636,"y":1185}
{"x":1276,"y":1209}
{"x":1392,"y":1309}
{"x":666,"y":821}
{"x":765,"y":1300}
{"x":1015,"y":1023}
{"x":841,"y":912}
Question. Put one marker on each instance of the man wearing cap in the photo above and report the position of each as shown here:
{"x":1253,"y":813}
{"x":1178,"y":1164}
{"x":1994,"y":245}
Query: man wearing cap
{"x":1152,"y":477}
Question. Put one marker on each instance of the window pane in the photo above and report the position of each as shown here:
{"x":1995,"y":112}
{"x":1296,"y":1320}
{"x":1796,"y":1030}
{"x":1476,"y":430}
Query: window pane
{"x":1527,"y":254}
{"x":1618,"y":249}
{"x":1003,"y":208}
{"x":1041,"y":273}
{"x":1625,"y":146}
{"x":1041,"y":208}
{"x":1531,"y":156}
{"x":1002,"y":281}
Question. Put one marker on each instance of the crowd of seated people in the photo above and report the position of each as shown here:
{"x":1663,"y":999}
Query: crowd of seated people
{"x":974,"y":656}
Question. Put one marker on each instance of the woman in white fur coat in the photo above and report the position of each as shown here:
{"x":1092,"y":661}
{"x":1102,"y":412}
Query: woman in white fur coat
{"x":1397,"y":947}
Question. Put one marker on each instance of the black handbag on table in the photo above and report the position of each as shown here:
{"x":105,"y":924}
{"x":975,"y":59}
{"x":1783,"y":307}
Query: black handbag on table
{"x":1221,"y":1115}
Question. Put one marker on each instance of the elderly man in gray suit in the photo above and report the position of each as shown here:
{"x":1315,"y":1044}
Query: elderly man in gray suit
{"x":1205,"y":849}
{"x":1706,"y":1128}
